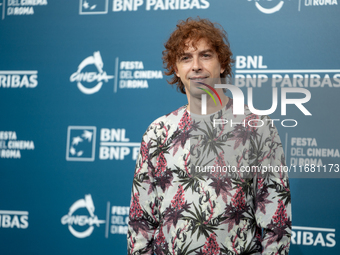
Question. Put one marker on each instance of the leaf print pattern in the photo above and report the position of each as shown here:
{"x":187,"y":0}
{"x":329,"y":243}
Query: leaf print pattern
{"x":177,"y":210}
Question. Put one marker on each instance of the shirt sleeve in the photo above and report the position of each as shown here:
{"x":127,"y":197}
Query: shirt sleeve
{"x":143,"y":216}
{"x":272,"y":192}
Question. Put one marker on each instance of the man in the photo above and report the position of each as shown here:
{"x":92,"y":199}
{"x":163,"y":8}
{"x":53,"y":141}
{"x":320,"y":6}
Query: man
{"x":180,"y":207}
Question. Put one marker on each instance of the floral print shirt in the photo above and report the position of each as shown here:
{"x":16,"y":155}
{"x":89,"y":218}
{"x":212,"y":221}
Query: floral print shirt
{"x":178,"y":209}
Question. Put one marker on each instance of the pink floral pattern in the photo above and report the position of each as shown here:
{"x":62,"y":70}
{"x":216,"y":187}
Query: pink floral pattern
{"x":211,"y":246}
{"x":280,"y":217}
{"x":175,"y":211}
{"x":136,"y":210}
{"x":185,"y":122}
{"x":178,"y":201}
{"x":238,"y":200}
{"x":161,"y":164}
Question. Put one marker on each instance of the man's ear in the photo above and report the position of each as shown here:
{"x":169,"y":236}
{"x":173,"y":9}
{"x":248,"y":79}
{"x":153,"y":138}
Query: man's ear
{"x":222,"y":70}
{"x":176,"y":71}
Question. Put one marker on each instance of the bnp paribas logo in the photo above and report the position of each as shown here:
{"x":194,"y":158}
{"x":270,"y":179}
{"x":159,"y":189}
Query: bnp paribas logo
{"x":92,"y":7}
{"x":81,"y":143}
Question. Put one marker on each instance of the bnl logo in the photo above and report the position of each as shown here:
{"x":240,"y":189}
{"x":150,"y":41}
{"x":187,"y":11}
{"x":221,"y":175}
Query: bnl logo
{"x":90,"y":7}
{"x":81,"y":143}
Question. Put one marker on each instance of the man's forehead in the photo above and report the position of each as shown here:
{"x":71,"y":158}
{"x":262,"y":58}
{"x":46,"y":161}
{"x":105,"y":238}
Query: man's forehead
{"x":202,"y":44}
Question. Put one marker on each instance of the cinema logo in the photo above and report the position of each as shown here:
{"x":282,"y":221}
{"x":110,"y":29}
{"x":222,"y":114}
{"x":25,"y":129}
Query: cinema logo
{"x":82,"y":219}
{"x":85,"y":223}
{"x":268,"y":6}
{"x":90,"y":82}
{"x":309,"y":236}
{"x":273,"y":6}
{"x":13,"y":219}
{"x":18,"y":79}
{"x":90,"y":76}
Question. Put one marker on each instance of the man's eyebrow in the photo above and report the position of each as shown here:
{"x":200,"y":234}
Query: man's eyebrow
{"x":184,"y":54}
{"x":206,"y":51}
{"x":190,"y":53}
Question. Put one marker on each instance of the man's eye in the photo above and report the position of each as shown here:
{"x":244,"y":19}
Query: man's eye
{"x":184,"y":58}
{"x":206,"y":55}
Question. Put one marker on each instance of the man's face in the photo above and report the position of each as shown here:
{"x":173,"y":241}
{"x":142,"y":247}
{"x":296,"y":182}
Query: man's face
{"x":197,"y":66}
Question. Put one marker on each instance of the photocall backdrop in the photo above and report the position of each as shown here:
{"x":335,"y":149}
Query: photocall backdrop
{"x":80,"y":81}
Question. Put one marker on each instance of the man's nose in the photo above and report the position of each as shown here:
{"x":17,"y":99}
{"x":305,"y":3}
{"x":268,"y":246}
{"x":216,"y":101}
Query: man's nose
{"x":196,"y":65}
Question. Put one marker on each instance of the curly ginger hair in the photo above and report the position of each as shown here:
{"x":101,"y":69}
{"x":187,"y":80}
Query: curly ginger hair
{"x":194,"y":30}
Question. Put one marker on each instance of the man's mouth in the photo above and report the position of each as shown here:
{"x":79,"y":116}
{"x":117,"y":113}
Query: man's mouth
{"x":198,"y":78}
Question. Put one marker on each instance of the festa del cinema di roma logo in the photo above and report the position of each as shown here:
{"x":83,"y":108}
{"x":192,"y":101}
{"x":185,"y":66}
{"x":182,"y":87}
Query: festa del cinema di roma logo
{"x":94,"y":80}
{"x":275,"y":6}
{"x":90,"y":76}
{"x":71,"y":219}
